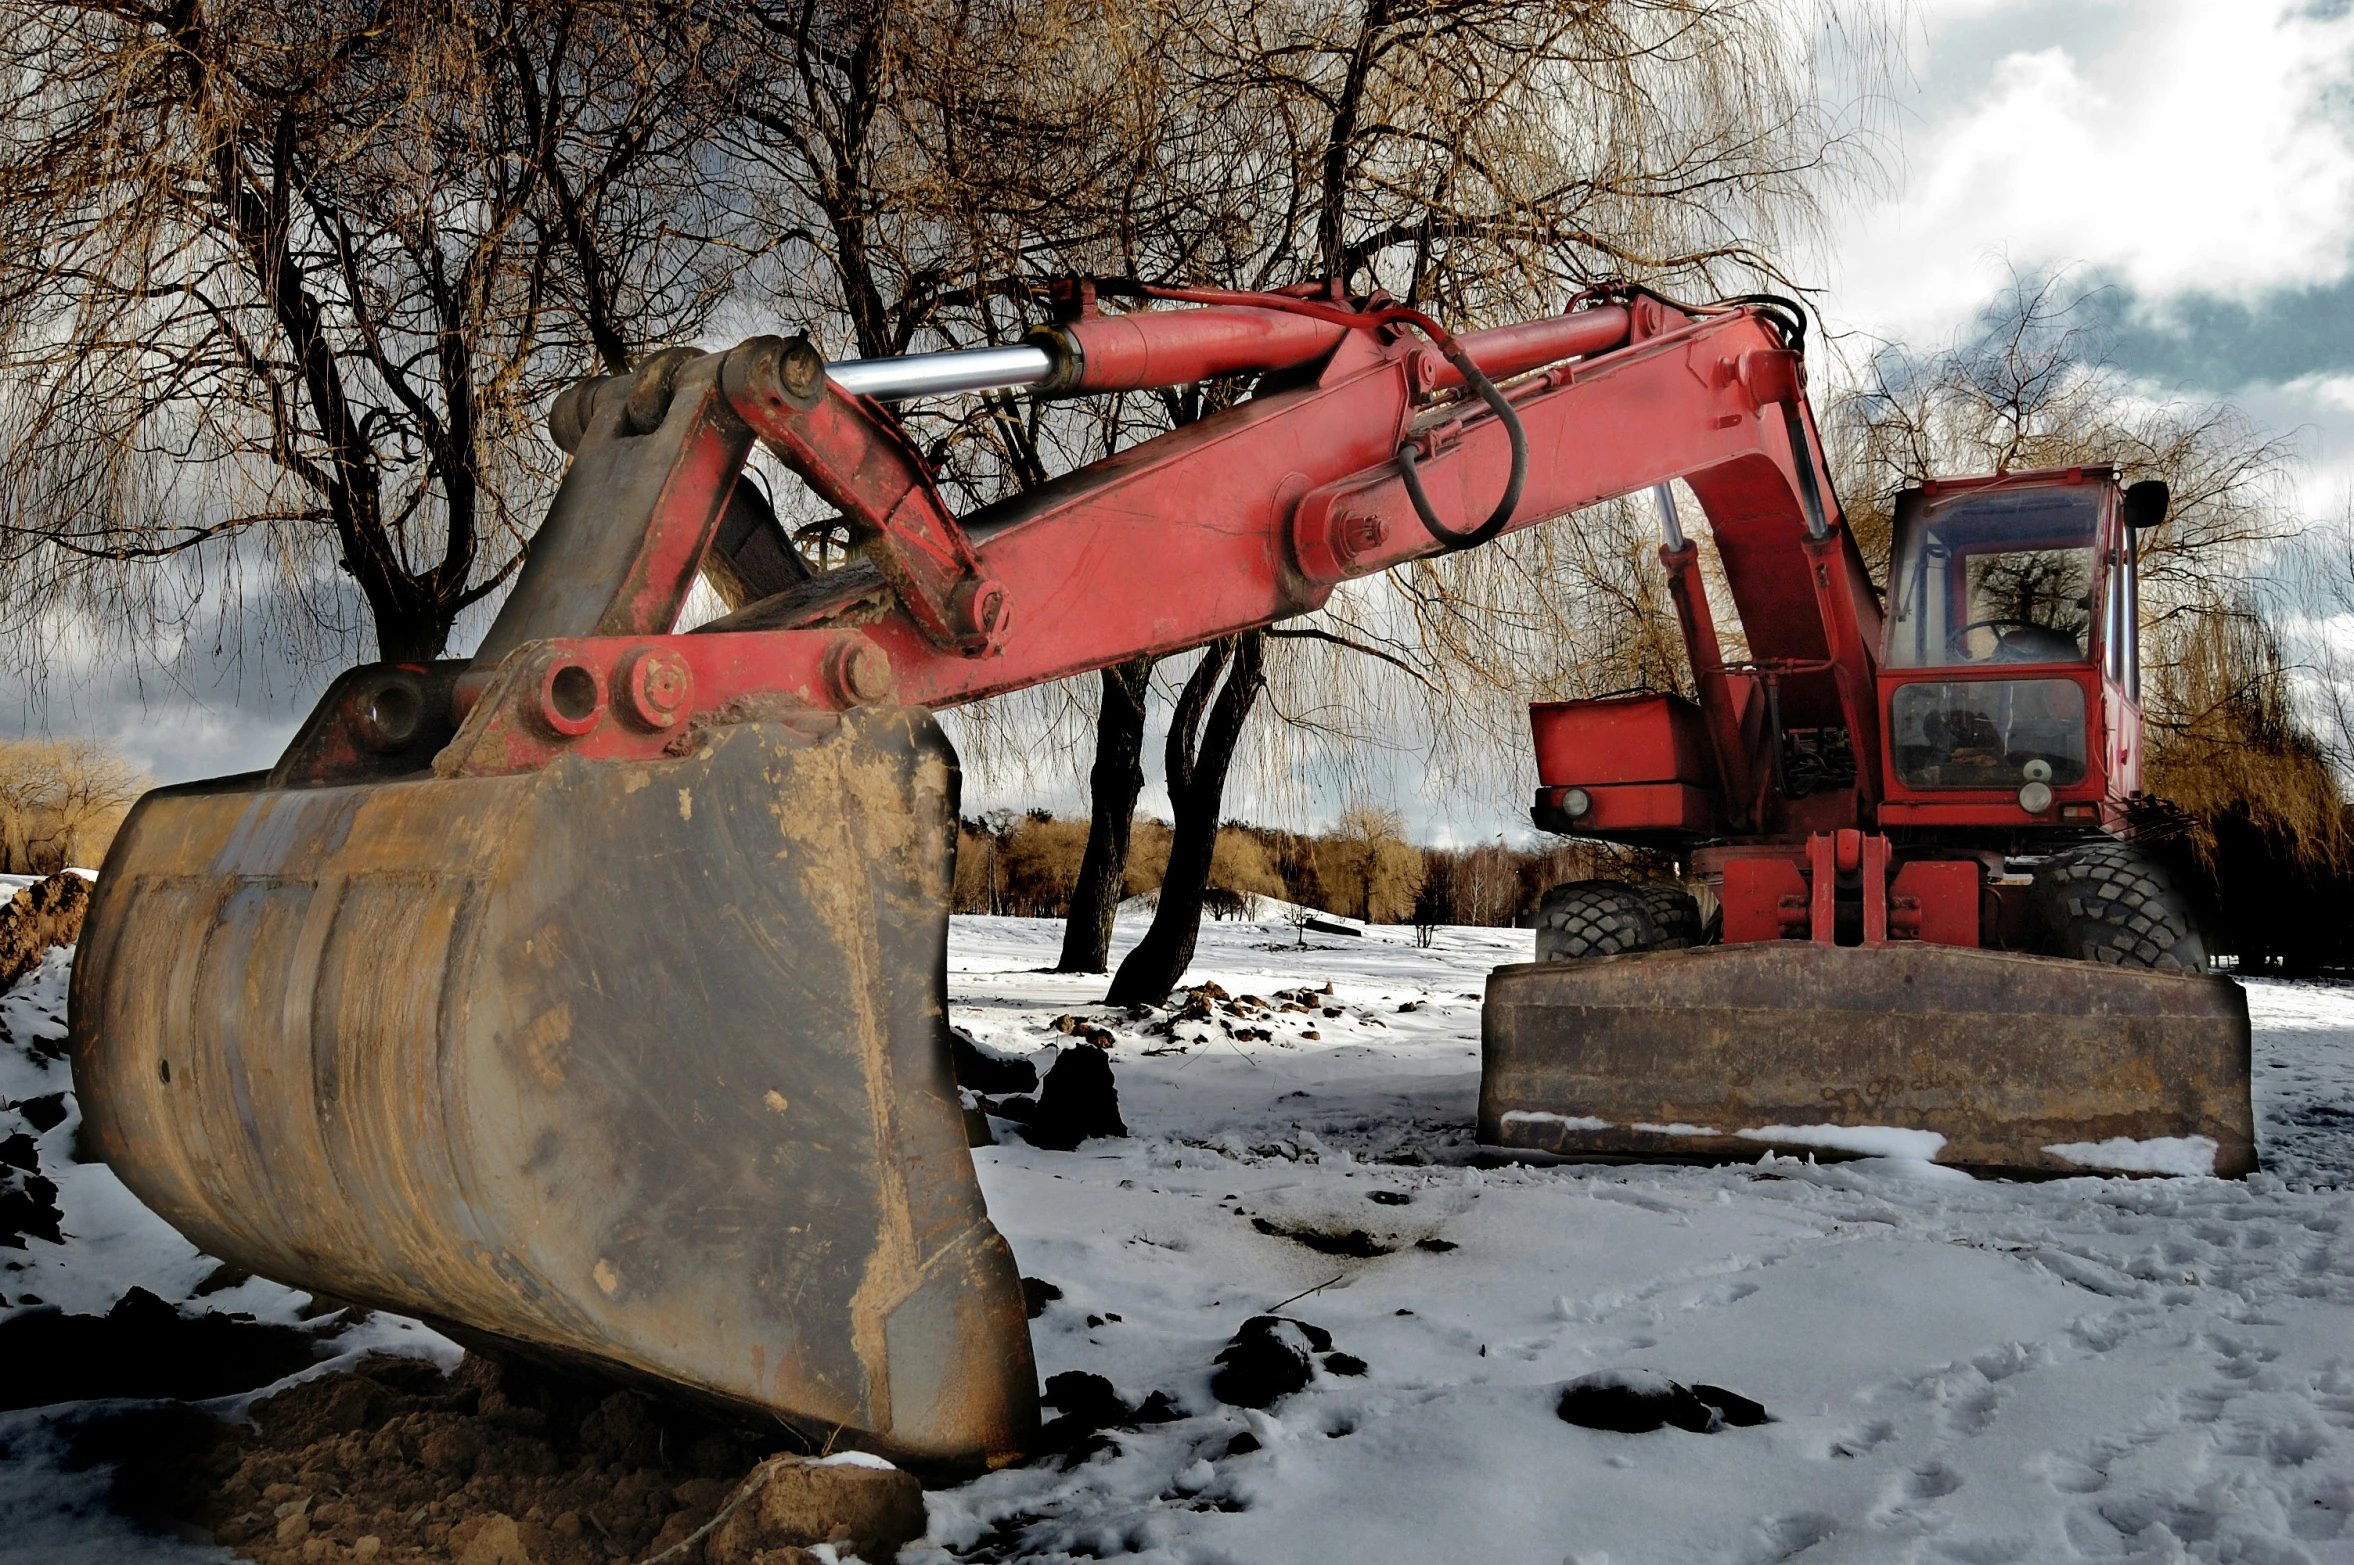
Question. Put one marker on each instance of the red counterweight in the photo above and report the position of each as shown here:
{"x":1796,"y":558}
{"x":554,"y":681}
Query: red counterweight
{"x":1631,"y":765}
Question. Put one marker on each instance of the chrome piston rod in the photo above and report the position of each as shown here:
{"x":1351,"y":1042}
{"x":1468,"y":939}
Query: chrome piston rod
{"x":939,"y":374}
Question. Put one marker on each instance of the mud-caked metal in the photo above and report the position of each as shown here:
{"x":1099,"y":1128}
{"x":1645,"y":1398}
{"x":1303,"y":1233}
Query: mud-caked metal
{"x":1790,"y":1046}
{"x":644,"y":1064}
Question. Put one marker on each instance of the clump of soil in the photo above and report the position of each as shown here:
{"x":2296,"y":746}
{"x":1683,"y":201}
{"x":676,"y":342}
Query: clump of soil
{"x":1079,"y":1100}
{"x":986,"y":1070}
{"x":1635,"y":1402}
{"x":1089,"y":1406}
{"x":1272,"y":1356}
{"x":1356,"y":1243}
{"x":44,"y":914}
{"x":504,"y":1462}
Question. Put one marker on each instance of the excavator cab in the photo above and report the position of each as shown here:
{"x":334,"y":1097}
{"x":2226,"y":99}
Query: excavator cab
{"x":2009,"y":668}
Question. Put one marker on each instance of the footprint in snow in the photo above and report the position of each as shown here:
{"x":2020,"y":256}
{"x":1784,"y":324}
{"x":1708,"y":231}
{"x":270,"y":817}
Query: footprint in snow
{"x":1974,"y":1414}
{"x":1864,"y":1438}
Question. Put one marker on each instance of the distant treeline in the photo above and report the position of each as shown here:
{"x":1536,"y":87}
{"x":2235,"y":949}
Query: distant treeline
{"x":1364,"y":868}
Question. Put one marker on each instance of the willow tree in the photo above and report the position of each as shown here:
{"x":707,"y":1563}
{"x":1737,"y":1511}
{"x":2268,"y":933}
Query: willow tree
{"x":286,"y":289}
{"x":1487,"y":160}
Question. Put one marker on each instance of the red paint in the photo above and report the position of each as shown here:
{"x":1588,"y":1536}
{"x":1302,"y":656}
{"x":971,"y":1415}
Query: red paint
{"x":1764,"y":898}
{"x":1621,"y":739}
{"x":1178,"y":347}
{"x":1221,"y":526}
{"x":1936,"y":900}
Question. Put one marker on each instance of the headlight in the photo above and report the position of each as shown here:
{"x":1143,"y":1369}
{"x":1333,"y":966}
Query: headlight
{"x":1575,"y":802}
{"x":2036,"y":797}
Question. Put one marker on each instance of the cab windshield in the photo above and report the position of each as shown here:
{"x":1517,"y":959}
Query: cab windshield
{"x":1995,"y":575}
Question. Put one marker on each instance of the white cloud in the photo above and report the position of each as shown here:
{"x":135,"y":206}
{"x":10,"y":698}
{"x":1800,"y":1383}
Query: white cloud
{"x":2177,"y":144}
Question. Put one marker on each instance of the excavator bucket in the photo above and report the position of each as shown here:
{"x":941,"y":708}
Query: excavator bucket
{"x":1988,"y":1061}
{"x":641,"y":1065}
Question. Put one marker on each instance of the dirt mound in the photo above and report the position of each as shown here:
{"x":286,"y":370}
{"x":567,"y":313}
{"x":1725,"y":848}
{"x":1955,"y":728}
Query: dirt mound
{"x":1635,"y":1402}
{"x":504,"y":1462}
{"x":1272,"y":1356}
{"x":44,"y":914}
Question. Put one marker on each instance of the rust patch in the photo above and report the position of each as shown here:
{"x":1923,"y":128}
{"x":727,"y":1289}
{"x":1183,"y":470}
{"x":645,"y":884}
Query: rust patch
{"x":543,"y":1045}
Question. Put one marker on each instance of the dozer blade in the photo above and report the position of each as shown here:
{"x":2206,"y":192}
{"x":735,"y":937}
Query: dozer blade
{"x":644,"y":1065}
{"x":1733,"y":1051}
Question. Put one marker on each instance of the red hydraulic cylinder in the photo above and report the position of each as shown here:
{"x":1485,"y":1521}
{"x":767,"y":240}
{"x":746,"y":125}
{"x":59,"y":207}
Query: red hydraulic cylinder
{"x":1505,"y":351}
{"x":1149,"y":348}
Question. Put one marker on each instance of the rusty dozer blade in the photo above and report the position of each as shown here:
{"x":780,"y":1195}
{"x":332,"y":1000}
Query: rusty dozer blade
{"x":643,"y":1065}
{"x":2023,"y":1065}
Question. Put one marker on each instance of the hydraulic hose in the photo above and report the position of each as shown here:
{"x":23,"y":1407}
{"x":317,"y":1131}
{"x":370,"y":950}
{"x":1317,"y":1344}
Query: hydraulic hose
{"x":1444,"y":340}
{"x":1412,"y":479}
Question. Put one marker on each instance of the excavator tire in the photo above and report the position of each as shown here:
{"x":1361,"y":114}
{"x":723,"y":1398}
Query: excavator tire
{"x":1593,"y":918}
{"x":2110,"y":902}
{"x":639,"y":1065}
{"x":1674,"y":912}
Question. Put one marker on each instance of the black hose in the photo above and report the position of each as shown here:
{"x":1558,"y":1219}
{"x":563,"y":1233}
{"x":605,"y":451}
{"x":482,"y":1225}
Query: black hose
{"x":1502,"y":515}
{"x":1386,"y":315}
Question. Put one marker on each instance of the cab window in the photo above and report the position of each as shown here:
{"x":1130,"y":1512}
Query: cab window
{"x":1996,"y":575}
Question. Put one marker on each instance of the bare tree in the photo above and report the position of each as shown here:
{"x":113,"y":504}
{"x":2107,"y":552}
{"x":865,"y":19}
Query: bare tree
{"x":60,"y":802}
{"x":1112,"y":786}
{"x":2233,"y":766}
{"x":285,"y":289}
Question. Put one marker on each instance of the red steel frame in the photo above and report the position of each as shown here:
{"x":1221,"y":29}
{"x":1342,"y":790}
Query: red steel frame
{"x":2112,"y":771}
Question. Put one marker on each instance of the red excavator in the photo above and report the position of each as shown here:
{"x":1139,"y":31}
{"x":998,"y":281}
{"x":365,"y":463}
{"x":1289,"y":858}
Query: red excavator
{"x":588,"y":995}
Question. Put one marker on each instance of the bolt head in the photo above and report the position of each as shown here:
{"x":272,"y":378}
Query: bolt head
{"x":861,"y":673}
{"x":654,"y":686}
{"x":988,"y":608}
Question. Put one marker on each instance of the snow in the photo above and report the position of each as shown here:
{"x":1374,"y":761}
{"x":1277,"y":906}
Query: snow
{"x":1869,"y":1140}
{"x":1565,"y":1121}
{"x":1958,"y":1370}
{"x":2157,"y":1155}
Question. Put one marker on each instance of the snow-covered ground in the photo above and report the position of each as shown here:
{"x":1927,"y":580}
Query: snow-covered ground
{"x":1958,"y":1370}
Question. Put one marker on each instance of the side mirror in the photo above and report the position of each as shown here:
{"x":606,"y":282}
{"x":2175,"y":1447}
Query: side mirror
{"x":2146,"y":502}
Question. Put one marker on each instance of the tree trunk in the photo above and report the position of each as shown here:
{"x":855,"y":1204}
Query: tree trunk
{"x":1114,"y":782}
{"x":1197,"y":789}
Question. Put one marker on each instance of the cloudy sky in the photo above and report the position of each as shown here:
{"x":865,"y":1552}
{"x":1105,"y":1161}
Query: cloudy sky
{"x":2190,"y":163}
